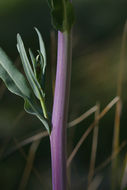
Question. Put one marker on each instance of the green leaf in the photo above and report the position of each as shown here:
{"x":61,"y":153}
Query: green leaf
{"x":42,"y":50}
{"x":39,"y":68}
{"x":13,"y":79}
{"x":17,"y":84}
{"x":38,"y":64}
{"x":62,"y":14}
{"x":50,"y":3}
{"x":36,"y":110}
{"x":28,"y":70}
{"x":33,"y":61}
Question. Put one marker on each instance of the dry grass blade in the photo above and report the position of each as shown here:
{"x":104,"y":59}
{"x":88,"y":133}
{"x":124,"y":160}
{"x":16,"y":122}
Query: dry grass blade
{"x":115,"y":145}
{"x":16,"y":121}
{"x":110,"y":158}
{"x":41,"y":135}
{"x":94,"y":148}
{"x":124,"y":177}
{"x":25,"y":157}
{"x":84,"y":136}
{"x":82,"y":117}
{"x":29,"y":165}
{"x":29,"y":140}
{"x":94,"y":185}
{"x":72,"y":124}
{"x":119,"y":90}
{"x":18,"y":118}
{"x":117,"y":126}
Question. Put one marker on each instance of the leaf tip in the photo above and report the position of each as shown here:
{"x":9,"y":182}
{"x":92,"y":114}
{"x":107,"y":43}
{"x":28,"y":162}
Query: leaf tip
{"x":18,"y":36}
{"x":36,"y":30}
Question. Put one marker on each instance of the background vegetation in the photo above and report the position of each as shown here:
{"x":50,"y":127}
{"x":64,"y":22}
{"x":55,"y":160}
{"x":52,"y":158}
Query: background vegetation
{"x":97,"y":39}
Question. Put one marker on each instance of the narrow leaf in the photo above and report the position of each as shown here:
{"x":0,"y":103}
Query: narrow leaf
{"x":28,"y":70}
{"x":36,"y":110}
{"x":33,"y":61}
{"x":17,"y":84}
{"x":42,"y":49}
{"x":13,"y":79}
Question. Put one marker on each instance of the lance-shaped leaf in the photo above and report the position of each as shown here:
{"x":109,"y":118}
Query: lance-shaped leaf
{"x":28,"y":70}
{"x":38,"y":64}
{"x":17,"y":84}
{"x":42,"y":50}
{"x":13,"y":79}
{"x":37,"y":111}
{"x":41,"y":63}
{"x":33,"y":60}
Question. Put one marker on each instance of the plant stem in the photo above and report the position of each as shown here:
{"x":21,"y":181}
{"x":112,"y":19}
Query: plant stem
{"x":60,"y":112}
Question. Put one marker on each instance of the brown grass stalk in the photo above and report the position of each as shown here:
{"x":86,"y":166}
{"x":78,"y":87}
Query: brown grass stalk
{"x":111,"y":157}
{"x":116,"y":133}
{"x":25,"y":157}
{"x":87,"y":132}
{"x":41,"y":135}
{"x":119,"y":90}
{"x":94,"y":147}
{"x":29,"y":165}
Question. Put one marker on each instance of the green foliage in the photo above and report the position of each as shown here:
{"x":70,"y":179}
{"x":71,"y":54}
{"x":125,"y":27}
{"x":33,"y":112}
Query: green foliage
{"x":62,"y":14}
{"x":17,"y":83}
{"x":41,"y":64}
{"x":13,"y":79}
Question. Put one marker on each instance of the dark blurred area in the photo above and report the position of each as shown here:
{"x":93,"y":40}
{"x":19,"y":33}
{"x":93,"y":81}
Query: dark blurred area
{"x":97,"y":38}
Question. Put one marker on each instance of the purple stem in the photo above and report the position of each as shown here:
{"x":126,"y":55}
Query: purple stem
{"x":60,"y":112}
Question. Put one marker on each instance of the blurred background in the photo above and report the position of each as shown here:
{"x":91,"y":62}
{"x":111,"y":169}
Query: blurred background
{"x":97,"y":38}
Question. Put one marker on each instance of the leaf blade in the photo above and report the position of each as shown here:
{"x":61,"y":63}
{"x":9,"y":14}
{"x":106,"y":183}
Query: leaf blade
{"x":34,"y":110}
{"x":28,"y":70}
{"x":17,"y":84}
{"x":33,"y":60}
{"x":42,"y":49}
{"x":14,"y":80}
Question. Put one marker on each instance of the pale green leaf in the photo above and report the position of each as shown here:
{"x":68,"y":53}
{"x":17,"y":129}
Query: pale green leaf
{"x":42,"y":49}
{"x":33,"y":61}
{"x":36,"y":110}
{"x":28,"y":70}
{"x":17,"y":84}
{"x":13,"y":79}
